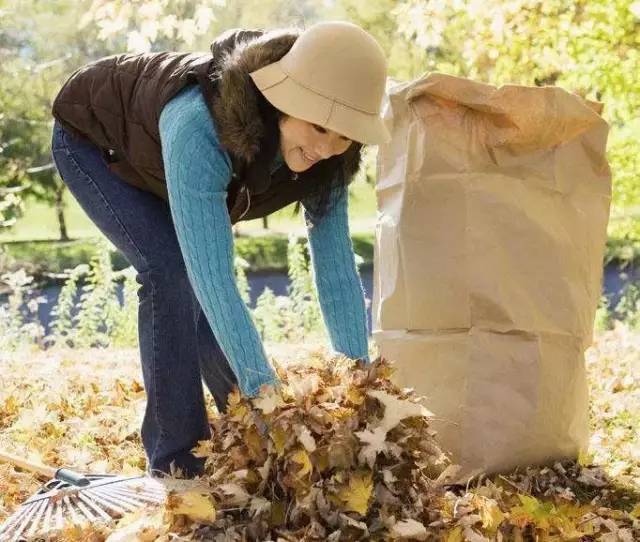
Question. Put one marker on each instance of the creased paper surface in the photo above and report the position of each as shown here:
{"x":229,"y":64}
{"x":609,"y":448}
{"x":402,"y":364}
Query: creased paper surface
{"x":493,"y":206}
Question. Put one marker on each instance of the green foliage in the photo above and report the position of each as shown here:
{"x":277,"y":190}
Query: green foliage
{"x":125,"y":329}
{"x":628,"y":308}
{"x":591,"y":47}
{"x":624,"y":157}
{"x":19,"y":328}
{"x":55,"y":257}
{"x":63,"y":332}
{"x":40,"y":46}
{"x":302,"y":291}
{"x":296,"y":316}
{"x":270,"y":316}
{"x":264,"y":253}
{"x":100,"y":319}
{"x":603,"y":320}
{"x":98,"y":303}
{"x":241,"y":266}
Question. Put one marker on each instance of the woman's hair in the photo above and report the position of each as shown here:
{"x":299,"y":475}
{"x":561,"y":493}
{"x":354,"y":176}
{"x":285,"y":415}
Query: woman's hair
{"x":330,"y":172}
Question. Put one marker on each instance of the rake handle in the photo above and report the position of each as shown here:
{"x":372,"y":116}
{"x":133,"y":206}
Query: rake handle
{"x":64,"y":475}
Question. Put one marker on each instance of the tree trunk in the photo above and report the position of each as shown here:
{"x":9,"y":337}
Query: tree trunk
{"x":265,"y":222}
{"x":60,"y":213}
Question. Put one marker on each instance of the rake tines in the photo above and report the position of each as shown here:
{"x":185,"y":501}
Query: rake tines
{"x":78,"y":499}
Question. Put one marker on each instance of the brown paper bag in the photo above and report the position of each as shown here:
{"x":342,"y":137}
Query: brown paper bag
{"x":493,"y":208}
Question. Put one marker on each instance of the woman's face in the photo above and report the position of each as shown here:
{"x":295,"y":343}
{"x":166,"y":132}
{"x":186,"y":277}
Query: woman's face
{"x":302,"y":143}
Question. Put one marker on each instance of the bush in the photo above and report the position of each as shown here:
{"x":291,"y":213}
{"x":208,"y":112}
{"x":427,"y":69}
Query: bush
{"x":44,"y":259}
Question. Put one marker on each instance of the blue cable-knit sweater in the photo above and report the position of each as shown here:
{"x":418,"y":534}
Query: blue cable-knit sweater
{"x":198,"y":172}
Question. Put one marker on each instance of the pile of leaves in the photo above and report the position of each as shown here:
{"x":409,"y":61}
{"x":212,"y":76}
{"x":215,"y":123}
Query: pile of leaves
{"x":338,"y":453}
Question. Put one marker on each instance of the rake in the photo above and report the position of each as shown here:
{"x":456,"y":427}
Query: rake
{"x":73,"y":498}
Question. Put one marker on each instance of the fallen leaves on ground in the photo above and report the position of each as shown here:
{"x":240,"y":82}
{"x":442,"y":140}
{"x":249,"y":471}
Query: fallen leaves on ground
{"x":339,"y":453}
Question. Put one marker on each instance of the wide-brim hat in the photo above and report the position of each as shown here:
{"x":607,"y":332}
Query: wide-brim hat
{"x":334,"y":75}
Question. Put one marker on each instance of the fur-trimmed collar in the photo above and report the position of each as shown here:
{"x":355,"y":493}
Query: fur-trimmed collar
{"x":245,"y":127}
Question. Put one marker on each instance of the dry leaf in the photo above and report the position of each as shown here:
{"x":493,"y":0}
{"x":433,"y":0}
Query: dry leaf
{"x":357,"y":494}
{"x":397,"y":409}
{"x":409,"y":528}
{"x":196,"y":506}
{"x":268,"y":400}
{"x":375,"y":444}
{"x":302,"y":458}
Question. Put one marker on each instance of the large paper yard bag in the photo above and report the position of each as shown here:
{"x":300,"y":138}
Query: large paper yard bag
{"x":493,"y":206}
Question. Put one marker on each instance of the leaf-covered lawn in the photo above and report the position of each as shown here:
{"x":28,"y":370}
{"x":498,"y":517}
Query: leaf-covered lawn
{"x":346,"y":456}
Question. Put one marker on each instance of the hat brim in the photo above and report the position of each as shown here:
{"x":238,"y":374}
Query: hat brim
{"x":301,"y":102}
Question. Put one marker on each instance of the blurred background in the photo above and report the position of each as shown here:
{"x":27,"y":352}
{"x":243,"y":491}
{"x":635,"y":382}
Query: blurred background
{"x":591,"y":47}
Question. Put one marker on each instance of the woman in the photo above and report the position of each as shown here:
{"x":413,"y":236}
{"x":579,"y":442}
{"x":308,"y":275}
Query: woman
{"x":165,"y":151}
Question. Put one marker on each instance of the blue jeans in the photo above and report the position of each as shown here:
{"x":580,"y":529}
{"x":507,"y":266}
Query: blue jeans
{"x":177,"y":345}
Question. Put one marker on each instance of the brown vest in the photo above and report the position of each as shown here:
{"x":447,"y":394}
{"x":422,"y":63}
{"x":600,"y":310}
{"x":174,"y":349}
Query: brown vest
{"x":116,"y":103}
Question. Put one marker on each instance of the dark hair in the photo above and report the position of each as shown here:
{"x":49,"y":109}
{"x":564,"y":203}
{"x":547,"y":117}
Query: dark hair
{"x":329,"y":172}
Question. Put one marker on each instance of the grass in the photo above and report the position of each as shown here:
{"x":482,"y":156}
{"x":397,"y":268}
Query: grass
{"x":39,"y":220}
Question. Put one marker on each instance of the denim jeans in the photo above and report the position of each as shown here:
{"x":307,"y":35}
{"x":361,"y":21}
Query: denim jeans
{"x":177,"y":345}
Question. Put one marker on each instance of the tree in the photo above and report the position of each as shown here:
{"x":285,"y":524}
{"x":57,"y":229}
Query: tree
{"x":591,"y":47}
{"x":40,"y":47}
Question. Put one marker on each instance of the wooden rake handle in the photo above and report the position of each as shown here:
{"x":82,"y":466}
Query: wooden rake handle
{"x":64,"y":475}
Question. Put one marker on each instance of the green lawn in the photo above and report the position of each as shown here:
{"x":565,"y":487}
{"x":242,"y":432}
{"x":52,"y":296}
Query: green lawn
{"x":39,"y":220}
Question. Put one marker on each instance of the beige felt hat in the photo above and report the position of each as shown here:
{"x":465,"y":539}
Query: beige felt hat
{"x":334,"y":75}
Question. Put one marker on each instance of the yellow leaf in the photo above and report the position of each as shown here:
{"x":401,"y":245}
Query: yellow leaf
{"x":302,"y":457}
{"x":239,"y":413}
{"x":279,"y":438}
{"x":234,"y":397}
{"x":490,"y":513}
{"x":455,"y":535}
{"x":635,"y":512}
{"x":532,"y":511}
{"x":204,"y":448}
{"x":195,"y":505}
{"x":356,"y":495}
{"x":355,"y":396}
{"x":254,"y":442}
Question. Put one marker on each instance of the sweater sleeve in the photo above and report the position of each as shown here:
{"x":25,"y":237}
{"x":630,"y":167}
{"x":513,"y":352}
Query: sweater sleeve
{"x":198,"y":172}
{"x":336,"y":277}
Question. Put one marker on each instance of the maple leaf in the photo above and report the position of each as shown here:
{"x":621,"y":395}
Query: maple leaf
{"x":304,"y":385}
{"x":204,"y":448}
{"x":356,"y":495}
{"x":490,"y":513}
{"x":197,"y":506}
{"x":396,"y":409}
{"x":532,"y":511}
{"x":376,"y":443}
{"x":268,"y":400}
